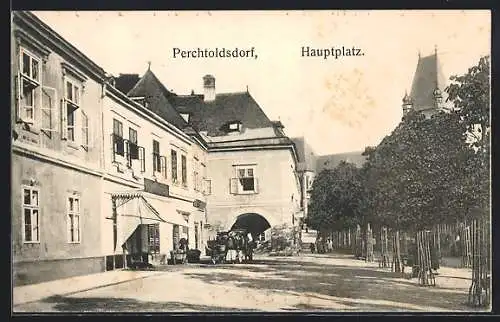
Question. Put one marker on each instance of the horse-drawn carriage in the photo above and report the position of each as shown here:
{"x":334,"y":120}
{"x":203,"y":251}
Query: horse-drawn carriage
{"x":234,"y":246}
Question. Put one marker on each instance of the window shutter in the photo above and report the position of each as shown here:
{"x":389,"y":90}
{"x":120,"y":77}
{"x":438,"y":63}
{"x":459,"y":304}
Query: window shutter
{"x":126,"y":152}
{"x":255,"y":185}
{"x":142,"y":158}
{"x":163,"y":165}
{"x":48,"y":109}
{"x":113,"y":148}
{"x":233,"y":185}
{"x":64,"y":120}
{"x":85,"y":130}
{"x":18,"y":97}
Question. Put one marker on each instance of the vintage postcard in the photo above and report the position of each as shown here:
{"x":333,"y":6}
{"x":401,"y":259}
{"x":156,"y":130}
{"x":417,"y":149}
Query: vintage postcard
{"x":251,"y":161}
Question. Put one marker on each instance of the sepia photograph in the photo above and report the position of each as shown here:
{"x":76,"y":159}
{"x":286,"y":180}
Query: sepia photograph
{"x":250,"y":161}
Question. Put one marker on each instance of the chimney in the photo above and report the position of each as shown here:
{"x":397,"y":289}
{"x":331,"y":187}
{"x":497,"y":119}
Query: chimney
{"x":209,"y":88}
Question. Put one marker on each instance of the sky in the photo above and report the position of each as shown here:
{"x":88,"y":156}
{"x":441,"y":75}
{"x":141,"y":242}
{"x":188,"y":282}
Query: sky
{"x":338,"y":105}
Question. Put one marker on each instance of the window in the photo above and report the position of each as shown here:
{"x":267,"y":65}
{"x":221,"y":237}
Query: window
{"x":156,"y":156}
{"x":184,"y":170}
{"x":173,"y":154}
{"x":74,"y":219}
{"x":31,"y":211}
{"x":154,"y":238}
{"x":70,"y":123}
{"x":133,"y":144}
{"x":185,"y":116}
{"x":72,"y":93}
{"x":232,"y":127}
{"x":207,"y":188}
{"x":245,"y":181}
{"x":118,"y":144}
{"x":30,"y":66}
{"x":30,"y":101}
{"x":85,"y":130}
{"x":28,"y":87}
{"x":71,"y":105}
{"x":196,"y":183}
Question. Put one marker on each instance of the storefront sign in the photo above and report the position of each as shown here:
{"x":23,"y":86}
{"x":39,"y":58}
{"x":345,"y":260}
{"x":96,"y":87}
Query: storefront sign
{"x":156,"y":188}
{"x":199,"y":204}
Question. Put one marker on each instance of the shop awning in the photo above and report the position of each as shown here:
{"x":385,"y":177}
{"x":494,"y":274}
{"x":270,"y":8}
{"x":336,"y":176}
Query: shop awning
{"x":132,"y":210}
{"x":167,"y":215}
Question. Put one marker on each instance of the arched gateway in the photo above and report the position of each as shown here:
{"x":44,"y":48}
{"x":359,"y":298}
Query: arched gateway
{"x":254,"y":223}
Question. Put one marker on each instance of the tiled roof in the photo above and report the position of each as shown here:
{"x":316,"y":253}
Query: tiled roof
{"x":125,"y":82}
{"x":428,"y":76}
{"x":157,"y":96}
{"x":332,"y":160}
{"x":227,"y":107}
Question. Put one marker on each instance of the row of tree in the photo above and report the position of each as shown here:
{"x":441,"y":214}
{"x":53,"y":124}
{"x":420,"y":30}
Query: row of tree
{"x":428,"y":171}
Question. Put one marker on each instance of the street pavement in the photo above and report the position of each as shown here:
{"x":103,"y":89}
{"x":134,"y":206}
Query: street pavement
{"x":309,"y":282}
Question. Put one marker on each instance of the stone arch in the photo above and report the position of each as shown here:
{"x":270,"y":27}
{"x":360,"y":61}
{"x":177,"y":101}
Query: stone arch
{"x":272,"y":220}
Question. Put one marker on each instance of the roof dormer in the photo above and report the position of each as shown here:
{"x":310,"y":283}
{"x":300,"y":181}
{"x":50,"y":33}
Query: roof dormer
{"x":232,"y":127}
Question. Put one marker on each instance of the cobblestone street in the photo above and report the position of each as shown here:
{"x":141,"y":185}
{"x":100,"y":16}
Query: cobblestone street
{"x":306,"y":283}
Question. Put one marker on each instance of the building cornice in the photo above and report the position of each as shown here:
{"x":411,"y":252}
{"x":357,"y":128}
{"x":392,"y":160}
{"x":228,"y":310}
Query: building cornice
{"x":257,"y":148}
{"x":35,"y":153}
{"x":41,"y":30}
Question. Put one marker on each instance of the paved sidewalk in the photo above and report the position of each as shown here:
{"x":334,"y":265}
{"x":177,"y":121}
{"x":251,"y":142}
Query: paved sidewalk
{"x":35,"y":292}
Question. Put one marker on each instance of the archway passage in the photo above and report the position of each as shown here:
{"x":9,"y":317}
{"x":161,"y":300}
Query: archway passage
{"x":252,"y":222}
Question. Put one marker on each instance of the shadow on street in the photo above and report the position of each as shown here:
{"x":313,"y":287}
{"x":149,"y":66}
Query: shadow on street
{"x":102,"y":304}
{"x":347,"y":282}
{"x":322,"y":286}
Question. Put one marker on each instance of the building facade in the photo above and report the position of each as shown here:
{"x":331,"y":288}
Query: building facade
{"x":110,"y":170}
{"x":56,"y":155}
{"x":244,"y":164}
{"x":149,"y":194}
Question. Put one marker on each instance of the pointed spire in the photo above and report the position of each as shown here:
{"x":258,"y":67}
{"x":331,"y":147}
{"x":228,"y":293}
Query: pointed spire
{"x":149,"y":65}
{"x":436,"y":50}
{"x":247,"y":88}
{"x":406,"y":98}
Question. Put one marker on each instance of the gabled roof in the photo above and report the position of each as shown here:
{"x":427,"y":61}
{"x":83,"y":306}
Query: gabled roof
{"x":332,"y":160}
{"x":157,"y":96}
{"x":428,"y":76}
{"x":227,"y":107}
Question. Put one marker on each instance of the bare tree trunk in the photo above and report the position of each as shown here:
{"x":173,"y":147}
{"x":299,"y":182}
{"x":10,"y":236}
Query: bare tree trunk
{"x":369,"y":243}
{"x":425,"y":274}
{"x":384,"y":248}
{"x":479,"y":291}
{"x":396,"y":253}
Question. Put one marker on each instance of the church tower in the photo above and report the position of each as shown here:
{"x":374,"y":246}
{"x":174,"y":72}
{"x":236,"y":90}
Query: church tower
{"x":427,"y":89}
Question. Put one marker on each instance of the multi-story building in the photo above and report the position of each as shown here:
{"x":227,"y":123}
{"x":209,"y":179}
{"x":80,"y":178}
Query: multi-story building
{"x":56,"y":155}
{"x":252,"y":164}
{"x":107,"y":169}
{"x":251,"y":179}
{"x":153,"y":193}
